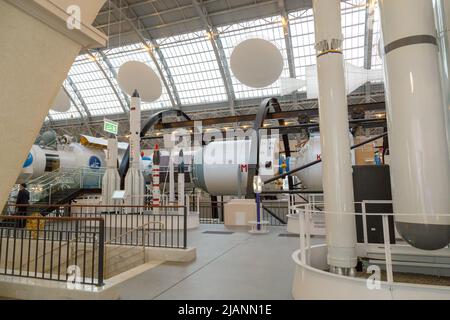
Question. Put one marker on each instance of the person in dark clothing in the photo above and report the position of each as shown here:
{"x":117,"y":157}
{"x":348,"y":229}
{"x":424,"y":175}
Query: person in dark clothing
{"x":23,"y":198}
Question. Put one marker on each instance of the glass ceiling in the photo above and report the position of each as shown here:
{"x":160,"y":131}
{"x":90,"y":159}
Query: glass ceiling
{"x":191,"y":60}
{"x":195,"y":70}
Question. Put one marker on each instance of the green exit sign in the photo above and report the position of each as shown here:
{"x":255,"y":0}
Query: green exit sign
{"x":110,"y":126}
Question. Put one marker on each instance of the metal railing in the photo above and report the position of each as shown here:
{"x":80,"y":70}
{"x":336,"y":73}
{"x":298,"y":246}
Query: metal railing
{"x":307,"y":211}
{"x":119,"y":220}
{"x":111,"y":252}
{"x":52,"y":248}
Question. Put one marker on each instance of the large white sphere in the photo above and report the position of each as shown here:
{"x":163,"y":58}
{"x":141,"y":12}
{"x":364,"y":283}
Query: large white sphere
{"x":61,"y":102}
{"x":135,"y":75}
{"x":257,"y":63}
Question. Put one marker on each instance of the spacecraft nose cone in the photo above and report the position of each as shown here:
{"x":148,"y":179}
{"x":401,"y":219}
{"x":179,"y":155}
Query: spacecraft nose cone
{"x":424,"y":236}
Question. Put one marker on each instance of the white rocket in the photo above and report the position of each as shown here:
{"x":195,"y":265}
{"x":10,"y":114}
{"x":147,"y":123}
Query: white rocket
{"x":418,"y":147}
{"x":155,"y":179}
{"x":134,"y":180}
{"x":335,"y":144}
{"x":111,"y":178}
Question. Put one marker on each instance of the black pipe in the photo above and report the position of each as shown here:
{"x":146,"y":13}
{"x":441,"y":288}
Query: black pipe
{"x":298,"y":191}
{"x":282,"y":176}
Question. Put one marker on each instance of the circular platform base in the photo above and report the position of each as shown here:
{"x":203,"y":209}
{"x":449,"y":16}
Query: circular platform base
{"x":313,"y":281}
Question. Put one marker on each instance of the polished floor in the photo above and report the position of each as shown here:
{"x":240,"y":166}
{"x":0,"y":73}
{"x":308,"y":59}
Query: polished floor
{"x":228,"y":266}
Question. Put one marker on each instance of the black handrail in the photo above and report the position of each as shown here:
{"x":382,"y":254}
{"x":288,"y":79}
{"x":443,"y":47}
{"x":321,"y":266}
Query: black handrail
{"x":282,"y":176}
{"x":273,"y":215}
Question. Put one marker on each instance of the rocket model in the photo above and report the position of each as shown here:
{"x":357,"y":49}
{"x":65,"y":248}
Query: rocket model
{"x":134,"y":180}
{"x":111,"y":178}
{"x":155,"y":179}
{"x":181,"y":182}
{"x":171,"y":179}
{"x":336,"y":165}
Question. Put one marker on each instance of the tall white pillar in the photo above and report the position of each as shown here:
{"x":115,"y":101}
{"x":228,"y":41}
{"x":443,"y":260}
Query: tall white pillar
{"x":335,"y":143}
{"x":420,"y":166}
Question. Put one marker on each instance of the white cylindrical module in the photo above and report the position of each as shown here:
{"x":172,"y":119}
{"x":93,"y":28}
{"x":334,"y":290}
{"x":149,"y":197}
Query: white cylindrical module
{"x":334,"y":129}
{"x":134,"y":179}
{"x":74,"y":156}
{"x":34,"y":165}
{"x":420,"y":167}
{"x":442,"y":19}
{"x":111,"y":178}
{"x":311,"y":177}
{"x":221,"y":167}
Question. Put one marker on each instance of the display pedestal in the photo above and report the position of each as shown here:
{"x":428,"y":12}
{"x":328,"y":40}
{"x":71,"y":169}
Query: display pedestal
{"x":239,"y":212}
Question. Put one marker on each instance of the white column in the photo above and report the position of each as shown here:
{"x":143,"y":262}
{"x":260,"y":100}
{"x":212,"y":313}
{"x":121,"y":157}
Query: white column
{"x":420,"y":166}
{"x":335,"y":143}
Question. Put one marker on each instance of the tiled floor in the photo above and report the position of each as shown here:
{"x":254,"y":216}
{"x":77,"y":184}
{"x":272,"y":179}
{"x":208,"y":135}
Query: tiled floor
{"x":228,"y":266}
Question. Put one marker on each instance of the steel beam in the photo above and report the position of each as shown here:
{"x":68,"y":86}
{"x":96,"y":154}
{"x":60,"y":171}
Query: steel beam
{"x":83,"y":119}
{"x":368,"y":42}
{"x":116,"y":93}
{"x":288,"y":42}
{"x":216,"y":43}
{"x":79,"y":96}
{"x":154,"y":46}
{"x":114,"y":73}
{"x":271,"y":116}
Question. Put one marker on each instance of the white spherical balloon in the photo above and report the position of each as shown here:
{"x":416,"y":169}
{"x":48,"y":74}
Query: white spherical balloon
{"x":61,"y":102}
{"x":257,"y":63}
{"x":135,"y":75}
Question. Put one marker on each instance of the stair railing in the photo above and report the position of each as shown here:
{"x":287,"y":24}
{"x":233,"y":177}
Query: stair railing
{"x":136,"y":229}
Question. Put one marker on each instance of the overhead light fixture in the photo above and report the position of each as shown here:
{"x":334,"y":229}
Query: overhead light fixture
{"x":148,"y":48}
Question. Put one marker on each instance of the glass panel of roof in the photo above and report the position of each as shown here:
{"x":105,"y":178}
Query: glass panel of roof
{"x":303,"y":40}
{"x":194,"y":68}
{"x":377,"y":62}
{"x":137,"y":52}
{"x":353,"y":28}
{"x":269,"y":29}
{"x":73,"y":112}
{"x":94,"y":87}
